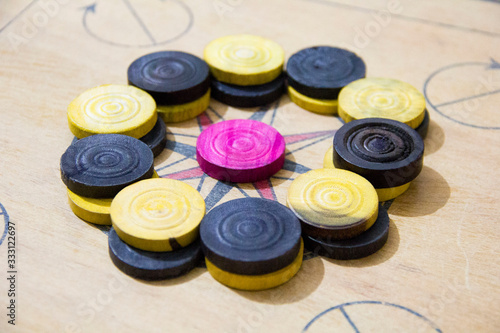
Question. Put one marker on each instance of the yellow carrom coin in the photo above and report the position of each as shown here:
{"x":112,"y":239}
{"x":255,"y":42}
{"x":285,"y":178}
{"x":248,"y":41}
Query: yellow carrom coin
{"x":182,"y":112}
{"x":112,"y":109}
{"x":384,"y":194}
{"x":89,"y":209}
{"x":333,"y":203}
{"x":244,"y":59}
{"x":257,"y":282}
{"x":322,"y":106}
{"x":382,"y":98}
{"x":93,"y":210}
{"x":158,"y":214}
{"x":328,"y":159}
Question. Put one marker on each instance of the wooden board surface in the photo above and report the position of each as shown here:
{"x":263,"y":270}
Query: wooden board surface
{"x":440,"y":270}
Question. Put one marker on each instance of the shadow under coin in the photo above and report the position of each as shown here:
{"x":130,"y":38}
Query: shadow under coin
{"x":427,"y":194}
{"x":385,"y":253}
{"x":191,"y":275}
{"x":434,"y":139}
{"x":299,"y":287}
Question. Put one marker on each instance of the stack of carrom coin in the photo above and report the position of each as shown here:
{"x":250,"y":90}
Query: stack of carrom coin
{"x":339,"y":212}
{"x":178,"y":81}
{"x":246,"y":70}
{"x":317,"y":74}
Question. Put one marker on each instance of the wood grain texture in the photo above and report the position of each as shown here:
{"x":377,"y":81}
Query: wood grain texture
{"x":441,"y":259}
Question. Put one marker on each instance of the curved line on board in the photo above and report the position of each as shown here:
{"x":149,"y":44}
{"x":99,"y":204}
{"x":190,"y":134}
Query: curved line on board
{"x":6,"y":222}
{"x":435,"y":73}
{"x":91,"y":8}
{"x":341,"y":306}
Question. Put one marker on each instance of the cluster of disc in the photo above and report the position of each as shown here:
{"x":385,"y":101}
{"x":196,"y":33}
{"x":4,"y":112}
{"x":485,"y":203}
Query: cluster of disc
{"x":159,"y":225}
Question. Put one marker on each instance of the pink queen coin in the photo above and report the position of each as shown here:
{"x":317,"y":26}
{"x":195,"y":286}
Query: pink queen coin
{"x":240,"y":151}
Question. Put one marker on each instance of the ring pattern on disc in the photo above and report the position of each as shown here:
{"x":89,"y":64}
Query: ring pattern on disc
{"x":101,"y":165}
{"x":382,"y":98}
{"x":244,"y":59}
{"x":240,"y":150}
{"x":112,"y":109}
{"x":333,"y":203}
{"x":386,"y":152}
{"x":250,"y":236}
{"x":152,"y":265}
{"x":320,"y":72}
{"x":158,"y":214}
{"x":171,"y":77}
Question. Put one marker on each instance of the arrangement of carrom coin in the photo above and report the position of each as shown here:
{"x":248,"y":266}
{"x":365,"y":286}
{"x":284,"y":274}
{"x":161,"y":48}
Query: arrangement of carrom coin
{"x":406,"y":91}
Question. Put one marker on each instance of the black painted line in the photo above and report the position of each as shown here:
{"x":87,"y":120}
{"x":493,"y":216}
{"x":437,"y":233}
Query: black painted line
{"x":310,"y":144}
{"x":17,"y":16}
{"x":408,"y":18}
{"x":173,"y":163}
{"x":274,"y":111}
{"x":349,"y":319}
{"x":139,"y":20}
{"x":468,"y":98}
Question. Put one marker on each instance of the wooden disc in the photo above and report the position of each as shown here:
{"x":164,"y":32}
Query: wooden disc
{"x":156,"y":139}
{"x":148,"y":265}
{"x":257,"y":282}
{"x":333,"y":203}
{"x":382,"y":98}
{"x":248,"y":96}
{"x":89,"y":209}
{"x":112,"y":109}
{"x":320,"y":72}
{"x":244,"y":60}
{"x":423,"y":128}
{"x":250,"y":236}
{"x":101,"y":165}
{"x":322,"y":106}
{"x":182,"y":112}
{"x":386,"y":152}
{"x":92,"y":210}
{"x":171,"y":77}
{"x":384,"y":194}
{"x":328,"y":159}
{"x":240,"y":151}
{"x":158,"y":214}
{"x":358,"y":247}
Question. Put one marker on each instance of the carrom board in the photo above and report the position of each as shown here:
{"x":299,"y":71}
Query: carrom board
{"x":438,"y":272}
